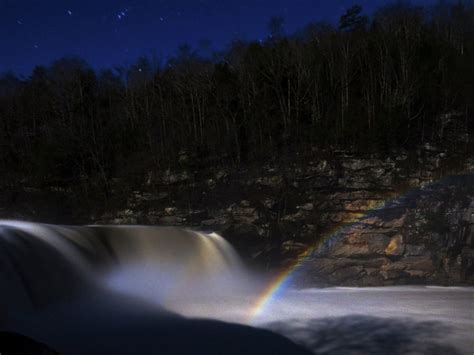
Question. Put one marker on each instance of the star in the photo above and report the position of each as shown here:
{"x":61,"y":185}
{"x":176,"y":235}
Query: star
{"x":121,"y":14}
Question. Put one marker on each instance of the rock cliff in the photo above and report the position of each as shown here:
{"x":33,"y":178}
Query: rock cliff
{"x":399,"y":218}
{"x":370,"y":220}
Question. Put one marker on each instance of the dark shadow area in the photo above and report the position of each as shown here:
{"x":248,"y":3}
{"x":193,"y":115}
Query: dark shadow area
{"x":15,"y":344}
{"x":112,"y":324}
{"x":367,"y":335}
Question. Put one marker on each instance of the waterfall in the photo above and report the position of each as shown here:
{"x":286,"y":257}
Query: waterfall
{"x":42,"y":264}
{"x":127,"y":290}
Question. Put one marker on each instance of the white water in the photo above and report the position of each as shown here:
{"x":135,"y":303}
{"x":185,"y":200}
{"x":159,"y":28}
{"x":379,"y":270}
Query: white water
{"x":450,"y":308}
{"x":61,"y":284}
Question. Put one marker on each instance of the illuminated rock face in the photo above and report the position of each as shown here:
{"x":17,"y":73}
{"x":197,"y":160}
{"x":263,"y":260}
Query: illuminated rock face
{"x":425,"y":236}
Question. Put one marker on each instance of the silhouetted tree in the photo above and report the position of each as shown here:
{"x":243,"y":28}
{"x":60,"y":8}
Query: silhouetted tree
{"x":403,"y":78}
{"x":352,"y":20}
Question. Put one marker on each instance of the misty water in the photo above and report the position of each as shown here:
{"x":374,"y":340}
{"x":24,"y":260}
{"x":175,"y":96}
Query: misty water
{"x":133,"y":290}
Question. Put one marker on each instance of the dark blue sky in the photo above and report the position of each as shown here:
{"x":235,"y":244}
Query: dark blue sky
{"x":115,"y":32}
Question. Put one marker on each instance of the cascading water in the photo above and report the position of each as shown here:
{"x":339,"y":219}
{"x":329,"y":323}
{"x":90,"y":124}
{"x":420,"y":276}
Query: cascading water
{"x":42,"y":264}
{"x":38,"y":267}
{"x":86,"y":290}
{"x":126,"y":290}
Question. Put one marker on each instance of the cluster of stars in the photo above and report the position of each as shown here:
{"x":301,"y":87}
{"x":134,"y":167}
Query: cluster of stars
{"x":130,"y":27}
{"x":122,"y":14}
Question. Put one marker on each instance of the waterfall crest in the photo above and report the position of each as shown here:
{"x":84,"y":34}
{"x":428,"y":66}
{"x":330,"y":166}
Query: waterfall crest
{"x":45,"y":264}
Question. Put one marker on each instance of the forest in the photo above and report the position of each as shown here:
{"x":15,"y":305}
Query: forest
{"x":397,"y":79}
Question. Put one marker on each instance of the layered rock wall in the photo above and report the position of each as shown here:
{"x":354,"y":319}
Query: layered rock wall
{"x":403,"y":219}
{"x":372,"y":220}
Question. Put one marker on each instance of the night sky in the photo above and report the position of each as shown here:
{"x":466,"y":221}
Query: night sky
{"x":108,"y":33}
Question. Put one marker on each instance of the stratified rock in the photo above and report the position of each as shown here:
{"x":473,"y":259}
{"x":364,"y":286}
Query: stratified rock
{"x":370,"y":208}
{"x":415,"y":250}
{"x":248,"y":215}
{"x":171,"y":220}
{"x":396,"y":247}
{"x":271,"y":181}
{"x":423,"y":237}
{"x":307,"y":207}
{"x":175,"y":177}
{"x":170,"y":211}
{"x":360,"y":245}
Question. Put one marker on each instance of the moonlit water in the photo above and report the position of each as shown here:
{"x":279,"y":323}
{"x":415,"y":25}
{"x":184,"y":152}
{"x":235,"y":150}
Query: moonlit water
{"x":65,"y":285}
{"x":233,"y":298}
{"x":450,"y":307}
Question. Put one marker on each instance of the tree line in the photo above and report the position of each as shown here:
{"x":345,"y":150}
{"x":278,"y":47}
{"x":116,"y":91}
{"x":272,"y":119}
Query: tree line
{"x":402,"y":77}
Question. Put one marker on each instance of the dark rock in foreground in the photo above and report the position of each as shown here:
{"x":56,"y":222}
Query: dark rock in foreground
{"x":16,"y":344}
{"x":108,"y":323}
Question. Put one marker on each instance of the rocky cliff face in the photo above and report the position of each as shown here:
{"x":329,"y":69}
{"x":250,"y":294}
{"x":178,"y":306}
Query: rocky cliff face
{"x":424,"y":236}
{"x":371,"y":220}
